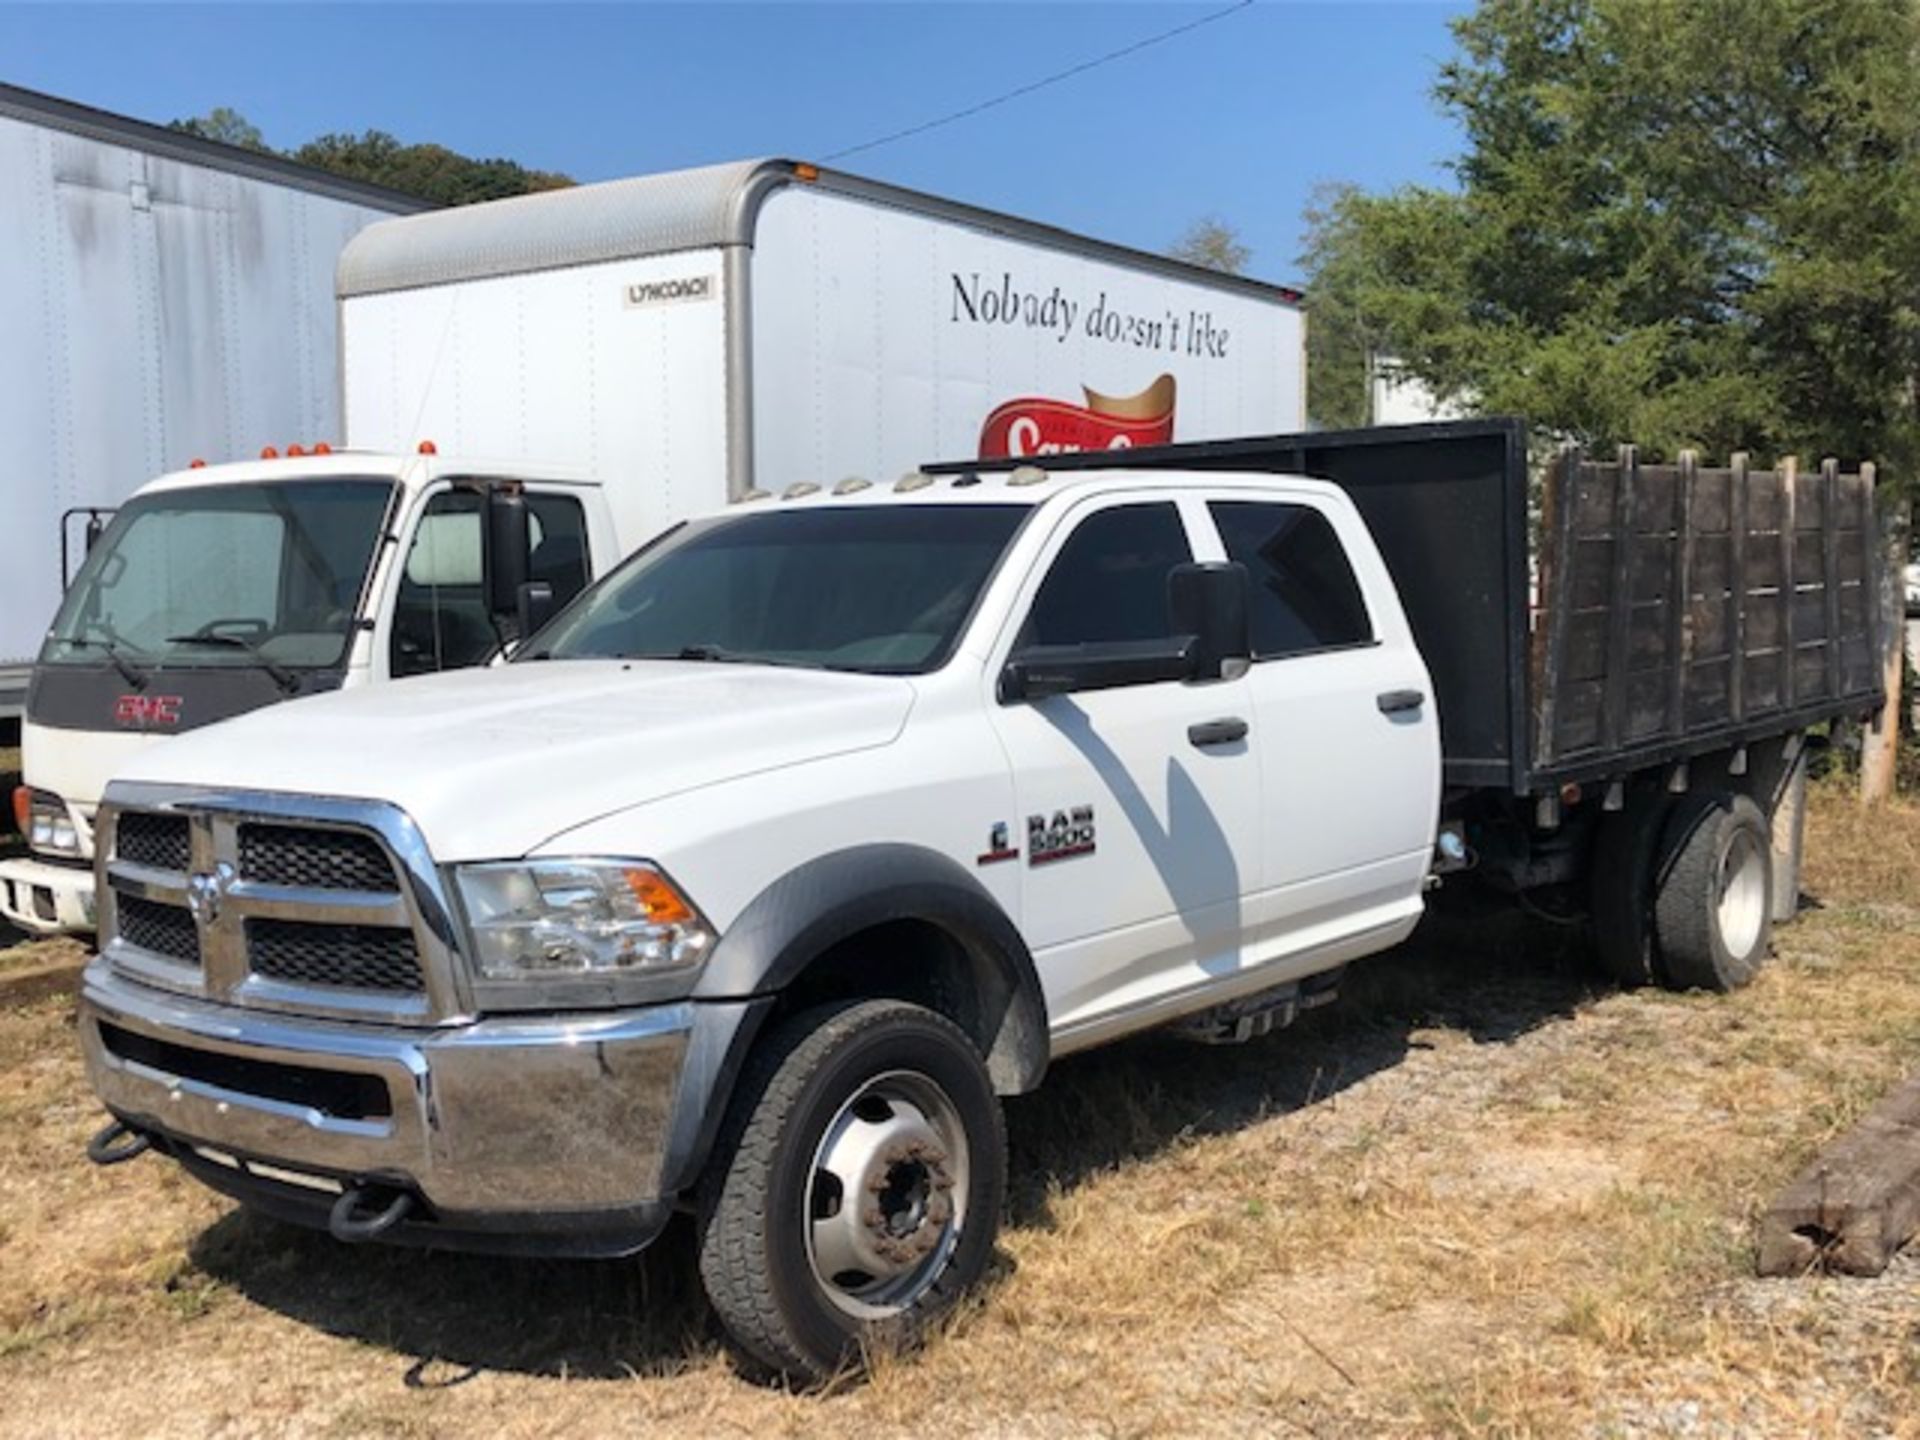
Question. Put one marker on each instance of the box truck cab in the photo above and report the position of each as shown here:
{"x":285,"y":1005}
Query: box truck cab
{"x":219,"y":589}
{"x":687,"y":340}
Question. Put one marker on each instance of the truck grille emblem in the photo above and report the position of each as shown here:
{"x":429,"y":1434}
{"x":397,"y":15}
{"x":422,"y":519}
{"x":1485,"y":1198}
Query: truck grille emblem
{"x":206,"y":890}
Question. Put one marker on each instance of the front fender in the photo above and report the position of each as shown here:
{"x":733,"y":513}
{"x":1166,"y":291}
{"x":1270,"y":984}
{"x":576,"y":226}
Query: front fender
{"x":800,"y":917}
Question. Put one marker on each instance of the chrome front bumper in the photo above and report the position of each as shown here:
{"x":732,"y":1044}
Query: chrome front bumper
{"x":557,"y":1123}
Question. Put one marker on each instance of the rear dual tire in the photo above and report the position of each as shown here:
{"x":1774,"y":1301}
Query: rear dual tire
{"x":1683,"y":891}
{"x":1713,"y":908}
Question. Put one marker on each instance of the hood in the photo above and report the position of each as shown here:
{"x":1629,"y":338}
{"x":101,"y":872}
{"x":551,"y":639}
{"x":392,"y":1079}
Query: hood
{"x":492,"y":762}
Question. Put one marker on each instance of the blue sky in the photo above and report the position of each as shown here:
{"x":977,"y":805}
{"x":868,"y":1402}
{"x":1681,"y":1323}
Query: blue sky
{"x":1240,"y":118}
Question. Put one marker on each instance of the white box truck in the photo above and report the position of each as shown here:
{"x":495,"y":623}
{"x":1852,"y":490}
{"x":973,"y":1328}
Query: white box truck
{"x":161,"y":296}
{"x":534,"y":386}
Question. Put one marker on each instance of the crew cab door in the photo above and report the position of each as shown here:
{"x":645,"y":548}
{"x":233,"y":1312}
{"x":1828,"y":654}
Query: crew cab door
{"x":1138,"y":825}
{"x":1343,"y":716}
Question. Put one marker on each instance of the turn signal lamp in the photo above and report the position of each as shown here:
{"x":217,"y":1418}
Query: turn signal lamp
{"x":22,"y":807}
{"x":658,"y":901}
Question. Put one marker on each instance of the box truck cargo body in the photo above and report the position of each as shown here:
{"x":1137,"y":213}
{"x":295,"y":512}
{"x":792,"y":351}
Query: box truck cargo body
{"x":693,"y":337}
{"x":161,"y":297}
{"x":538,"y":385}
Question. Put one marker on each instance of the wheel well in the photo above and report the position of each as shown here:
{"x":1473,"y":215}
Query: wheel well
{"x":926,"y":963}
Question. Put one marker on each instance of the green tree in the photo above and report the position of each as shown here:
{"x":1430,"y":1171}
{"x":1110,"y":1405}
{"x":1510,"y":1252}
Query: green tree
{"x":227,"y":126}
{"x":1680,"y":223}
{"x":1213,"y":243}
{"x":432,"y":172}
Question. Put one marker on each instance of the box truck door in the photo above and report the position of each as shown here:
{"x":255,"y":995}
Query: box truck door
{"x":441,"y":619}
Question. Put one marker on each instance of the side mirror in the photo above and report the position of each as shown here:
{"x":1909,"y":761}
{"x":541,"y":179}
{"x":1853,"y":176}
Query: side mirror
{"x":1042,"y":670}
{"x":536,"y":606}
{"x":1209,"y":602}
{"x":509,"y":539}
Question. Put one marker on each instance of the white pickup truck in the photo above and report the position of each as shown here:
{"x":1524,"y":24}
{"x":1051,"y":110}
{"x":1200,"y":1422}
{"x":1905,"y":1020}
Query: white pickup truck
{"x":757,"y":876}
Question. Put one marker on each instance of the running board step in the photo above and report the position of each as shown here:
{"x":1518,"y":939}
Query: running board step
{"x":1252,"y":1016}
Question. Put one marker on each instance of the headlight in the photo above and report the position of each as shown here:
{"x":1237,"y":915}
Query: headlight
{"x":46,"y":823}
{"x":579,"y":919}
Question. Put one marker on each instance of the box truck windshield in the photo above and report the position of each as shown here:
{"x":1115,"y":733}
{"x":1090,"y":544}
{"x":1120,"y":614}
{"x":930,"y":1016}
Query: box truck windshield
{"x":236,"y":575}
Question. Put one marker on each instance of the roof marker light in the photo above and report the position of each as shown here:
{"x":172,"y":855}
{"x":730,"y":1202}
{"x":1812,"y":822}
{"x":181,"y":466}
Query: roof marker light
{"x":267,"y":452}
{"x":1027,"y":475}
{"x":852,"y":485}
{"x":321,"y":447}
{"x":804,"y":171}
{"x":427,"y":447}
{"x":755,"y":494}
{"x":294,"y":452}
{"x":799,"y":489}
{"x":196,"y":464}
{"x":913,"y":480}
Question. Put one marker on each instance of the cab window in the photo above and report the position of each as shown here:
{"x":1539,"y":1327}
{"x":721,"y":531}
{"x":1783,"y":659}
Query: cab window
{"x":1109,"y":581}
{"x":1304,"y":596}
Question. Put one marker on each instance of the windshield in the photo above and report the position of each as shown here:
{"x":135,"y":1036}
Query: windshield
{"x":880,"y":589}
{"x":225,"y":575}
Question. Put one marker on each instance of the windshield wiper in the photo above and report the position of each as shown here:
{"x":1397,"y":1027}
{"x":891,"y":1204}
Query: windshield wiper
{"x":115,"y":656}
{"x":714,"y":655}
{"x":283,"y":677}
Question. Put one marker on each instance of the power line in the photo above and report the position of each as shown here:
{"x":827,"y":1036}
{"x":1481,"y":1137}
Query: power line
{"x":1041,"y":84}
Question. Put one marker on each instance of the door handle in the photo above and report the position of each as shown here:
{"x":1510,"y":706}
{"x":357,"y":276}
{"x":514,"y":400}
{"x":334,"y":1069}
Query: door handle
{"x":1217,"y":732}
{"x":1392,"y":702}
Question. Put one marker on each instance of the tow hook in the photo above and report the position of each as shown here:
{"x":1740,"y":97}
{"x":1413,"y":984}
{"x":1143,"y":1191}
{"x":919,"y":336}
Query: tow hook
{"x":345,"y":1222}
{"x":103,"y":1148}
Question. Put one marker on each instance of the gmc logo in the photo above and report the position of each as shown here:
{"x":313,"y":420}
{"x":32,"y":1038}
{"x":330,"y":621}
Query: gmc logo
{"x":143,"y":712}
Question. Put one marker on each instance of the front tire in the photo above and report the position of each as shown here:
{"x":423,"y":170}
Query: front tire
{"x":859,"y":1185}
{"x":1714,"y":907}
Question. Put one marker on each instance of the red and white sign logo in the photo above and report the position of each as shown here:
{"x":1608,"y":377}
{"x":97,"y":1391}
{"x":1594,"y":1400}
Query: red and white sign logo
{"x":1037,"y":426}
{"x":144,"y":712}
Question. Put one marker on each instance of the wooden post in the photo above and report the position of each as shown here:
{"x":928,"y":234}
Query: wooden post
{"x":1737,"y":588}
{"x":1613,"y":693}
{"x":1562,"y":498}
{"x":1680,"y":596}
{"x":1830,"y":570}
{"x":1880,"y":745}
{"x":1789,"y":472}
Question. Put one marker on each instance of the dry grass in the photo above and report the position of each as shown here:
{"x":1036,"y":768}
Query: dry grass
{"x":1484,"y":1195}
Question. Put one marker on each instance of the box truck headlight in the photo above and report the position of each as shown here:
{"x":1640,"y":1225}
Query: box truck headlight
{"x":48,"y":826}
{"x":560,"y":919}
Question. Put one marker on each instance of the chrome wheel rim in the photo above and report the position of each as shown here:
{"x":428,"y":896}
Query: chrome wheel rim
{"x":1741,"y":905}
{"x":886,"y":1195}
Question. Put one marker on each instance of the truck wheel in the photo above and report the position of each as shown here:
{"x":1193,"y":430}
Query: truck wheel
{"x":1714,"y":906}
{"x":1624,"y":854}
{"x":858,"y":1185}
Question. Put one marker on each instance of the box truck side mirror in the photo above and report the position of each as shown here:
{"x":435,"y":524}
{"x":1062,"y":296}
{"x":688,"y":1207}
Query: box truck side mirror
{"x":509,"y":541}
{"x":536,"y":606}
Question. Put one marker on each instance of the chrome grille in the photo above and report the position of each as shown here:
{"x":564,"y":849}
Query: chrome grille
{"x":157,"y":841}
{"x":163,"y":929}
{"x":315,"y":859}
{"x":364,"y":957}
{"x":302,"y":904}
